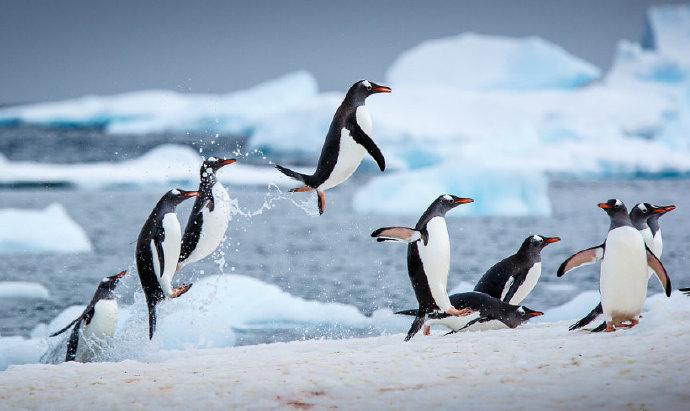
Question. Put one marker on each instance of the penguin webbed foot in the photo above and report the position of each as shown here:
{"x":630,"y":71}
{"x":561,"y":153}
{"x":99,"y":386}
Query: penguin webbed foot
{"x":303,"y":189}
{"x":463,"y":312}
{"x":426,"y":330}
{"x":321,"y":201}
{"x":179,"y":290}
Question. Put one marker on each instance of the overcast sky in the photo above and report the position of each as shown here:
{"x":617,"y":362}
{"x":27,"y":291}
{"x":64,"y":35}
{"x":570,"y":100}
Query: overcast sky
{"x":58,"y":49}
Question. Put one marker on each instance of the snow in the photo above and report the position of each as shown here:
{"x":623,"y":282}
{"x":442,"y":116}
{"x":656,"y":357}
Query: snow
{"x":50,"y":230}
{"x":642,"y":368}
{"x":165,"y":164}
{"x":478,"y":62}
{"x":156,"y":111}
{"x":23,"y":289}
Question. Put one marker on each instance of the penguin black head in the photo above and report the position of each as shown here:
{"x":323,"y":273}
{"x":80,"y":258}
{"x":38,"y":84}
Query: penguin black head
{"x":176,"y":196}
{"x":538,"y":242}
{"x":213,"y":164}
{"x":613,"y":207}
{"x":447,"y":202}
{"x":108,"y":284}
{"x":525,"y":313}
{"x":364,"y":88}
{"x":645,"y":215}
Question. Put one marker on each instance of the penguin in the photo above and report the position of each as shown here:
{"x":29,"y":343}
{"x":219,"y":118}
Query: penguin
{"x":158,"y":251}
{"x":624,"y":264}
{"x":348,"y":139}
{"x":210,"y":215}
{"x":96,"y":323}
{"x":428,"y":258}
{"x":485,"y":308}
{"x":513,"y":278}
{"x":640,"y":216}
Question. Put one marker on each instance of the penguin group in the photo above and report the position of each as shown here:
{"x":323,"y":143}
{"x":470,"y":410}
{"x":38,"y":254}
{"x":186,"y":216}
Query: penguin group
{"x":628,"y":256}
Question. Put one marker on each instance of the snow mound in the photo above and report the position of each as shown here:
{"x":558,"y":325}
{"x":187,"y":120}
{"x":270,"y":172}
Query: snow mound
{"x":495,"y":193}
{"x":50,"y":230}
{"x":153,"y":111}
{"x":165,"y":164}
{"x":23,"y":289}
{"x":478,"y":62}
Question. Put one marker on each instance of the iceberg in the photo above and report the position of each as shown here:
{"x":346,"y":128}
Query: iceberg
{"x":670,"y":30}
{"x":23,"y":289}
{"x":155,"y":111}
{"x":479,"y":62}
{"x":50,"y":230}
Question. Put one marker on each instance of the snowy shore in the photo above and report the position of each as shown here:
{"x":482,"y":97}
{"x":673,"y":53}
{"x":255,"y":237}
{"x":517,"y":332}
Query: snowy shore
{"x":539,"y":366}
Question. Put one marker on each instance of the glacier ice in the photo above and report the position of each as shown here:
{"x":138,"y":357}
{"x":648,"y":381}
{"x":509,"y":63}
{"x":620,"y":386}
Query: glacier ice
{"x":23,"y":289}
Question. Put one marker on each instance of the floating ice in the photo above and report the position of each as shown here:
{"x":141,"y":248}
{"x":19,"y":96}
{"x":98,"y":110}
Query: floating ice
{"x":670,"y":30}
{"x":50,"y":230}
{"x":23,"y":289}
{"x":478,"y":62}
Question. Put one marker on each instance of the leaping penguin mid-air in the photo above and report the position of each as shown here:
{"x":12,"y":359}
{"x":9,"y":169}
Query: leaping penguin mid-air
{"x":641,"y":216}
{"x":96,"y":323}
{"x":210,"y":215}
{"x":349,"y":138}
{"x":625,"y":260}
{"x":513,"y":278}
{"x":158,"y":251}
{"x":428,"y":258}
{"x":485,"y":308}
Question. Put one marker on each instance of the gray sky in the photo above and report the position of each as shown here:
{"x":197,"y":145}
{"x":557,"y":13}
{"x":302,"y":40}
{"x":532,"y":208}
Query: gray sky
{"x":59,"y":49}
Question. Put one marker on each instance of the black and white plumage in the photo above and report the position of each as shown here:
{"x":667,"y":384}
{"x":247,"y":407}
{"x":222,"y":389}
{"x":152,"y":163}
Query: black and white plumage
{"x":349,"y":138}
{"x":158,"y":251}
{"x":624,"y":265}
{"x":428,"y":258}
{"x":485,"y":309}
{"x":95,"y":324}
{"x":513,"y":278}
{"x":210,"y":215}
{"x":641,"y":215}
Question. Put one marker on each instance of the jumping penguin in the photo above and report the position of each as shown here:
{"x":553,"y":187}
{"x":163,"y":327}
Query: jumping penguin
{"x":428,"y":258}
{"x":624,"y":265}
{"x":640,"y":216}
{"x":513,"y":278}
{"x":96,"y":323}
{"x":348,"y":139}
{"x":485,"y":308}
{"x":158,"y":251}
{"x":210,"y":215}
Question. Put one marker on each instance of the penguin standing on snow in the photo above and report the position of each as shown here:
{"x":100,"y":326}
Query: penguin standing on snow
{"x":428,"y":258}
{"x":640,"y":216}
{"x":158,"y":251}
{"x":513,"y":278}
{"x":96,"y":323}
{"x":625,"y":260}
{"x":485,"y":308}
{"x":210,"y":215}
{"x":348,"y":139}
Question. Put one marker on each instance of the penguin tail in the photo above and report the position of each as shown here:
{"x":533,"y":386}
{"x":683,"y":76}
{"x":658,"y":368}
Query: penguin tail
{"x":152,"y":317}
{"x":294,"y":174}
{"x":412,"y":312}
{"x":596,"y":311}
{"x":416,"y":326}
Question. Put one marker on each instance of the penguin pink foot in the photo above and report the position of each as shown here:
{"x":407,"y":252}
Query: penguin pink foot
{"x":322,"y":201}
{"x":609,"y":327}
{"x":179,"y":290}
{"x":303,"y":189}
{"x":459,"y":313}
{"x":427,"y":330}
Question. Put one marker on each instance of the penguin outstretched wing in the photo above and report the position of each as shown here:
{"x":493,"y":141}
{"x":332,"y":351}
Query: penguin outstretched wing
{"x":401,"y":234}
{"x":580,"y":258}
{"x":73,"y":342}
{"x":67,"y":327}
{"x":416,"y":326}
{"x":471,"y":323}
{"x":596,"y":311}
{"x":84,"y":316}
{"x":685,"y":291}
{"x":659,"y":270}
{"x":365,"y":141}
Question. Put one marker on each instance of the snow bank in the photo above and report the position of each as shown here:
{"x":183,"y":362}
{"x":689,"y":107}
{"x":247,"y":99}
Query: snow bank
{"x":153,"y":111}
{"x":479,"y":62}
{"x":23,"y":289}
{"x":645,"y":367}
{"x":165,"y":164}
{"x":50,"y":230}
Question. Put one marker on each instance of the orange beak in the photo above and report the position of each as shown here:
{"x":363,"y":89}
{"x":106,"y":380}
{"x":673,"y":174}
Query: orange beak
{"x":188,"y":194}
{"x":664,"y":209}
{"x":536,"y":314}
{"x":228,"y":162}
{"x":605,"y":206}
{"x":463,"y":201}
{"x":381,"y":89}
{"x":120,"y":274}
{"x":550,"y":240}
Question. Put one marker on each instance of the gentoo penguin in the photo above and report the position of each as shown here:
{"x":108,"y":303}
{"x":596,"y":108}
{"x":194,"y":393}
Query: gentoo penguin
{"x":513,"y":278}
{"x":158,"y":250}
{"x":348,"y":139}
{"x":485,"y":308}
{"x":640,"y":216}
{"x":96,"y":323}
{"x":428,"y":258}
{"x":624,"y":264}
{"x":210,"y":215}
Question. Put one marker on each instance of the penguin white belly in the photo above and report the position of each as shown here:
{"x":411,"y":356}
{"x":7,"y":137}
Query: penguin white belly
{"x":171,"y":251}
{"x":649,"y":242}
{"x":215,"y":224}
{"x":435,"y":257}
{"x":658,"y":244}
{"x":350,"y":155}
{"x":527,"y":286}
{"x":92,"y":340}
{"x":623,"y":281}
{"x":456,"y":323}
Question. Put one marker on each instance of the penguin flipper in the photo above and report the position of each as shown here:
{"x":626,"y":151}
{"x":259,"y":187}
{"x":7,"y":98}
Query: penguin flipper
{"x":294,"y":174}
{"x":401,"y":234}
{"x":658,"y":268}
{"x":416,"y":326}
{"x":601,"y":327}
{"x":152,"y":318}
{"x":514,"y":286}
{"x":469,"y":324}
{"x":596,"y":311}
{"x":412,"y":312}
{"x":580,"y":258}
{"x":73,"y":342}
{"x":686,"y":291}
{"x":365,"y":141}
{"x":67,"y":327}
